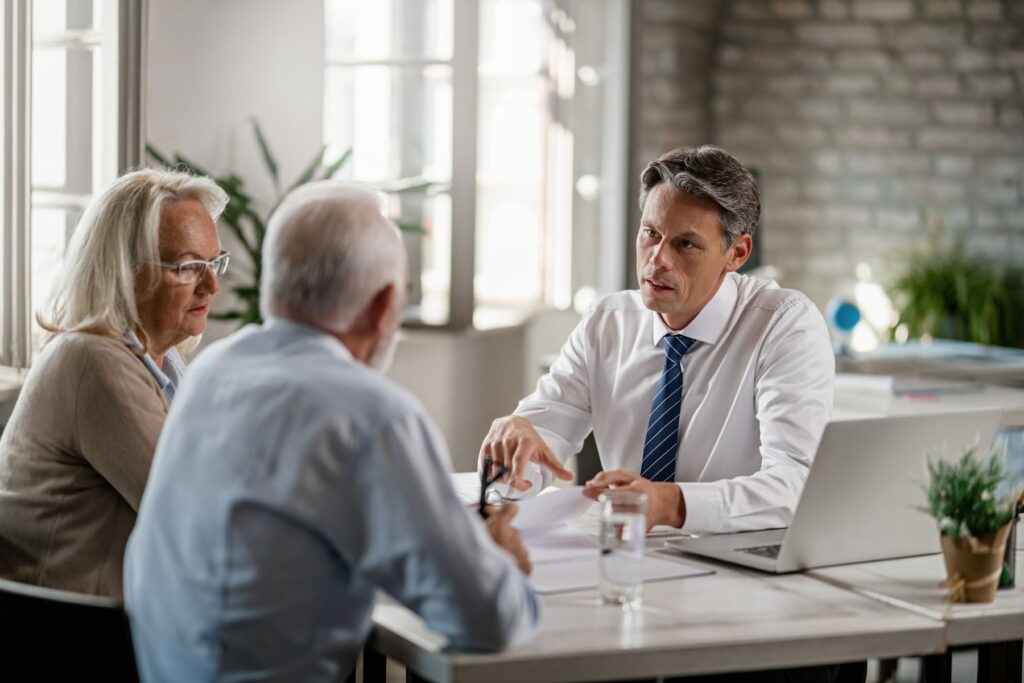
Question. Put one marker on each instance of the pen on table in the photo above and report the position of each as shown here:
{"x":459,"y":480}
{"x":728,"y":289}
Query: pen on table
{"x":485,"y":483}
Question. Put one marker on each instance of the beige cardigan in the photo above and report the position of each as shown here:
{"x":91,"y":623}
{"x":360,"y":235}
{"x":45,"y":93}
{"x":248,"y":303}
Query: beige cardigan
{"x":73,"y":463}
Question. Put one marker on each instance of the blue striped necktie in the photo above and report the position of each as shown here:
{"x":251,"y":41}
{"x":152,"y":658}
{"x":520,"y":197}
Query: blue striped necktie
{"x":662,"y":439}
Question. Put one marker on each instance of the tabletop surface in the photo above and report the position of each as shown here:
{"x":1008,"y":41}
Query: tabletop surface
{"x":734,"y":619}
{"x":914,"y":583}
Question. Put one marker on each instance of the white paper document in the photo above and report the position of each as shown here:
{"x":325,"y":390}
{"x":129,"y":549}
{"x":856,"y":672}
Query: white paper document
{"x":558,"y":542}
{"x":545,"y":523}
{"x":583,"y":573}
{"x":555,"y":506}
{"x":564,"y":555}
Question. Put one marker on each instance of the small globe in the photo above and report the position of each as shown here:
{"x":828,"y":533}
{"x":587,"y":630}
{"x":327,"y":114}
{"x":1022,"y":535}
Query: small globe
{"x":842,"y":314}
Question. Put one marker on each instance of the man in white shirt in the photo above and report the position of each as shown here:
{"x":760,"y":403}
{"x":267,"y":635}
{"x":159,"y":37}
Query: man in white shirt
{"x":292,"y":481}
{"x":706,"y":389}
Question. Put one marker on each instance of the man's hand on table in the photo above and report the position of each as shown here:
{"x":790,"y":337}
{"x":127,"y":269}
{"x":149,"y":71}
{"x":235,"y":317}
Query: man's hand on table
{"x":499,"y":525}
{"x":665,"y":503}
{"x":512,"y":443}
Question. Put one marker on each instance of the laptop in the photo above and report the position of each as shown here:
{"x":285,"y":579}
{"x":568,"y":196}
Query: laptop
{"x":862,"y":498}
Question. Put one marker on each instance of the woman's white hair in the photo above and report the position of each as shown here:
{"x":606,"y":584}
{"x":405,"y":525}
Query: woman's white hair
{"x":328,"y":251}
{"x":117,"y":235}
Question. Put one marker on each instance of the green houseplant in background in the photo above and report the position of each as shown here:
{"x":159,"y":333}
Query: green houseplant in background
{"x":951,"y":295}
{"x":973,"y":522}
{"x":248,"y":223}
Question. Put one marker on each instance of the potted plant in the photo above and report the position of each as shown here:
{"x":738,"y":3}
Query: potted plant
{"x":973,"y":522}
{"x":247,"y":223}
{"x":948,"y":294}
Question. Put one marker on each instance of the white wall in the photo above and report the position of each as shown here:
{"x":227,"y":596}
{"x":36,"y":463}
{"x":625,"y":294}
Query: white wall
{"x":213,"y":64}
{"x":464,"y":380}
{"x":467,"y":379}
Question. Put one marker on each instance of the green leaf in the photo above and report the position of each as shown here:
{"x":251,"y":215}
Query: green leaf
{"x":160,"y":158}
{"x":307,"y":174}
{"x":227,"y":315}
{"x":411,"y":228}
{"x":406,"y":186}
{"x":247,"y":293}
{"x":962,"y":495}
{"x":268,"y":158}
{"x":235,"y":226}
{"x":192,"y":167}
{"x":949,"y":294}
{"x":336,"y":166}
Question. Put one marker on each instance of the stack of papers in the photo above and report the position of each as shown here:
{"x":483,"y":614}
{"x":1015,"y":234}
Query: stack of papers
{"x":564,"y":557}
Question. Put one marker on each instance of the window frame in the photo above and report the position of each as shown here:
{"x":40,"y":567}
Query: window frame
{"x":562,"y":239}
{"x":123,"y":69}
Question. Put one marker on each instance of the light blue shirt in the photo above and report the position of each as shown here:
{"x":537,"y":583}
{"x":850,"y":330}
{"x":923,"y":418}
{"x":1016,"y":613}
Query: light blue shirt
{"x":168,"y":374}
{"x":289,"y":484}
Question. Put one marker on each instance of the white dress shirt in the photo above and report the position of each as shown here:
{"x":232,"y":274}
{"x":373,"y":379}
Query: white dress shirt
{"x":757,"y":396}
{"x":291,"y":483}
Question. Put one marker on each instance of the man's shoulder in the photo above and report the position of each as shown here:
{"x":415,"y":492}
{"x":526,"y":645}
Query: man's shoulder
{"x":309,"y":370}
{"x":625,"y":301}
{"x":767,"y":295}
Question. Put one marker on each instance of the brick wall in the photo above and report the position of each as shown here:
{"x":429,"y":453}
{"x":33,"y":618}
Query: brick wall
{"x":872,"y":122}
{"x":673,"y":45}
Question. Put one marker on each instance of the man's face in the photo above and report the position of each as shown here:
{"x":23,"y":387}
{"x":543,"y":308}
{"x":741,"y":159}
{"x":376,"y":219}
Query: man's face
{"x":679,"y":258}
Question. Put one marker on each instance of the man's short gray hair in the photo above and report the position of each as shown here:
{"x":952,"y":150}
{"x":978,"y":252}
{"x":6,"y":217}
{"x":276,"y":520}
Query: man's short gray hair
{"x":711,"y":173}
{"x":327,"y":252}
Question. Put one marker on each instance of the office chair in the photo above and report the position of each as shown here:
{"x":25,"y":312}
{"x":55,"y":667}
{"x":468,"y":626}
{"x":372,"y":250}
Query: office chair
{"x":52,"y":635}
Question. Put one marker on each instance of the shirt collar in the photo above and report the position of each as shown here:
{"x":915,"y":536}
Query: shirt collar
{"x":710,"y":323}
{"x":295,"y":328}
{"x":175,"y":365}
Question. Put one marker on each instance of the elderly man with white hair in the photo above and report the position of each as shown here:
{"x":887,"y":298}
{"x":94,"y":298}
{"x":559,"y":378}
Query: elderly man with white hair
{"x":305,"y":481}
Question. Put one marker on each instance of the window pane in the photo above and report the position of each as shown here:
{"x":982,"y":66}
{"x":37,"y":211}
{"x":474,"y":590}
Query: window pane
{"x":3,"y":139}
{"x":510,"y":246}
{"x":429,"y":254}
{"x":511,"y":249}
{"x":49,"y":117}
{"x":397,"y":121}
{"x":356,"y":30}
{"x":57,"y":16}
{"x":512,"y":121}
{"x":511,"y":36}
{"x":49,"y":16}
{"x":50,"y":229}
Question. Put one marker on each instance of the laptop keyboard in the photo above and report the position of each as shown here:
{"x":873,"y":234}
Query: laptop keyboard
{"x":769,"y":551}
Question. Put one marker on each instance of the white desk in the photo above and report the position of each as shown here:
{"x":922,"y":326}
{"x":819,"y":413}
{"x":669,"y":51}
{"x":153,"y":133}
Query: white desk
{"x":858,"y":404}
{"x":913,"y":584}
{"x":941,"y":358}
{"x":733,"y":620}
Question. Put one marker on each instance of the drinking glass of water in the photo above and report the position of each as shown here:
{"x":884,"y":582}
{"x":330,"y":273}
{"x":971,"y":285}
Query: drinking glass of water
{"x":623,"y":531}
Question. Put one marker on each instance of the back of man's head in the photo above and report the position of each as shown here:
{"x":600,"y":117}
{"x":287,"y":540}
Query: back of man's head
{"x":327,"y":253}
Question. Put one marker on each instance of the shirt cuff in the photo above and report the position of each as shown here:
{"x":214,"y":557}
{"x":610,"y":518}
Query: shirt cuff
{"x":704,"y":509}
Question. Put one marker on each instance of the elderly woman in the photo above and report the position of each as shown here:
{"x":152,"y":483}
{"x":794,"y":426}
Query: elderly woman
{"x":140,"y":272}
